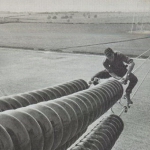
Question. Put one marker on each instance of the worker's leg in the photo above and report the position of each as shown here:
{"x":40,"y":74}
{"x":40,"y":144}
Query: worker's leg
{"x":132,"y":82}
{"x":100,"y":75}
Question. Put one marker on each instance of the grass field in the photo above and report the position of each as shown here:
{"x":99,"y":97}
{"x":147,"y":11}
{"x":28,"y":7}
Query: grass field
{"x":86,"y":33}
{"x":77,"y":38}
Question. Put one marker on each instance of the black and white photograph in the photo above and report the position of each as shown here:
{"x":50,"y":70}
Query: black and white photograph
{"x":75,"y":75}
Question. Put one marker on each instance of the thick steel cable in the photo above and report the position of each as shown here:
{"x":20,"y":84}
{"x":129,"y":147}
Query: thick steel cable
{"x":85,"y":134}
{"x":90,"y":135}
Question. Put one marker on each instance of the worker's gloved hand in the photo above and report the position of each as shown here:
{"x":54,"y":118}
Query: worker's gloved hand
{"x":96,"y":81}
{"x":90,"y":82}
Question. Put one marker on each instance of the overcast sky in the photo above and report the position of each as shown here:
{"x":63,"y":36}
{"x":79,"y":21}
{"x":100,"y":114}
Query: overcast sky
{"x":74,"y":5}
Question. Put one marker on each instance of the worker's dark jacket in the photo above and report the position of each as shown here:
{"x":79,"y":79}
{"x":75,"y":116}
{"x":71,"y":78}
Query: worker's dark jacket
{"x":119,"y":65}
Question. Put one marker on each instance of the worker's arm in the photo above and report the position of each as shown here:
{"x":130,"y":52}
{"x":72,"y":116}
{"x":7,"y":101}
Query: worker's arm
{"x":130,"y":63}
{"x":130,"y":68}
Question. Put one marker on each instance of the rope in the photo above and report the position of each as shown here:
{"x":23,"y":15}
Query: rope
{"x":88,"y":133}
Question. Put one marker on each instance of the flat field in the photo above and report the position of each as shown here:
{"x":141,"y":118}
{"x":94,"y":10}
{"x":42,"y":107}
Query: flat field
{"x":77,"y":38}
{"x":84,"y":33}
